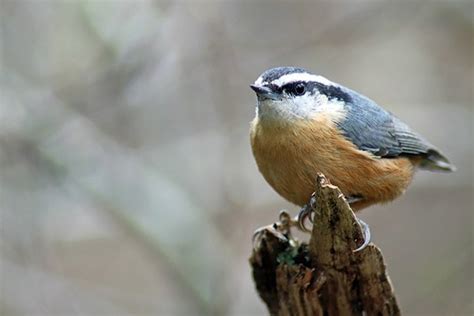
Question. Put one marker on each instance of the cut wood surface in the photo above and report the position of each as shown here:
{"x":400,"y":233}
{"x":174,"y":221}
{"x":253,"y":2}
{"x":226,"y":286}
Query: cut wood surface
{"x":324,"y":276}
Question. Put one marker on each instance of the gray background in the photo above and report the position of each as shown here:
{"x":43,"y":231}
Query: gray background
{"x":127,"y":180}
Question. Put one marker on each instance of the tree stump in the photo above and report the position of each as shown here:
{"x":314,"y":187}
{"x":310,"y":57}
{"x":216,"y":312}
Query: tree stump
{"x":325,"y":276}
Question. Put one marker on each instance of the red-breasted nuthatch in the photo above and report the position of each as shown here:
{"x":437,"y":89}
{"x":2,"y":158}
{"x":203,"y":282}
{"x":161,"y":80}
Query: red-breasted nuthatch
{"x":306,"y":124}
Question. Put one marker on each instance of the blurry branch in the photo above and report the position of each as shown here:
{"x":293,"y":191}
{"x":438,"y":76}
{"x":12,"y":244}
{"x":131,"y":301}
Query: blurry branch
{"x":134,"y":193}
{"x":324,"y":277}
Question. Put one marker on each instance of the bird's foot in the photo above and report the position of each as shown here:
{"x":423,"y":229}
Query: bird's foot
{"x":286,"y":222}
{"x":283,"y":227}
{"x":307,"y":214}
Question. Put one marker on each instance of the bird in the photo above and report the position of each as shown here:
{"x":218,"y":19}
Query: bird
{"x":306,"y":124}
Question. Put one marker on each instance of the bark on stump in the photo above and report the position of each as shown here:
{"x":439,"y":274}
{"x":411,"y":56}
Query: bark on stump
{"x":325,"y":276}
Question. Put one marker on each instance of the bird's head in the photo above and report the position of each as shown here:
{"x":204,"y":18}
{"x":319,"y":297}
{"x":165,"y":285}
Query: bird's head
{"x":289,"y":93}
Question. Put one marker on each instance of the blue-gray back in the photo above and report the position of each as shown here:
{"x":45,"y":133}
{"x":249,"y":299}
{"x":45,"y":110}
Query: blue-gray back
{"x":373,"y":129}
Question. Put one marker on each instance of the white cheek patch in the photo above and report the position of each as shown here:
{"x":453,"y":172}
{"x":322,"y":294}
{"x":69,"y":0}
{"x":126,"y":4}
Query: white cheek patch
{"x":334,"y":109}
{"x":311,"y":106}
{"x":304,"y":76}
{"x":302,"y":107}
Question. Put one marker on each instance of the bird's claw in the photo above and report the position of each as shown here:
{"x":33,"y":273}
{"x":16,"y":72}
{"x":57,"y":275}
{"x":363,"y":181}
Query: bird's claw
{"x":306,"y":214}
{"x":285,"y":223}
{"x":282,"y":227}
{"x":366,"y":233}
{"x":303,"y":216}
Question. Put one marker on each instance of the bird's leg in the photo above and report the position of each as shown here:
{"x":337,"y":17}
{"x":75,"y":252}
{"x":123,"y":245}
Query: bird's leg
{"x":285,"y":223}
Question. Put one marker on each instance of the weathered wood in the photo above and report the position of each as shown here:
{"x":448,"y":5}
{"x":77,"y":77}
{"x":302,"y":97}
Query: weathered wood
{"x":325,"y":276}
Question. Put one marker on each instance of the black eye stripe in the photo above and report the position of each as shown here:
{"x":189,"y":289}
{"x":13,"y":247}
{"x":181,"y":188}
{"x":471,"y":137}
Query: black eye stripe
{"x":296,"y":88}
{"x":332,"y":92}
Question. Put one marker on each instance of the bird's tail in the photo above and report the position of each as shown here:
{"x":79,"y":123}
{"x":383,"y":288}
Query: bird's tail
{"x":435,"y":161}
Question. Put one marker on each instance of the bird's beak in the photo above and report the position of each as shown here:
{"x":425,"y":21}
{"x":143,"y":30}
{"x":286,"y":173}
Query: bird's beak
{"x":264,"y":92}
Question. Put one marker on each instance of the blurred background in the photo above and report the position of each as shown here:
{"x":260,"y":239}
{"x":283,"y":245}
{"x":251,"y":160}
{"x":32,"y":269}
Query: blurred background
{"x":127,"y":182}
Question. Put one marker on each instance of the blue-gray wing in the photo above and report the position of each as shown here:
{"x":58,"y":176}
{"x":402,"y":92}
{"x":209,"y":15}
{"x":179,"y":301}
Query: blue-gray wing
{"x":373,"y":129}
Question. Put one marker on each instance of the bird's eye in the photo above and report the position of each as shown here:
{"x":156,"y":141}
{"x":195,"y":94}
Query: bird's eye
{"x":294,"y":88}
{"x":300,"y":89}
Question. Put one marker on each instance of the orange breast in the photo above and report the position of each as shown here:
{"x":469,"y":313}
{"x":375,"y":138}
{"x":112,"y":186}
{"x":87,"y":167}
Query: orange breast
{"x":290,"y":155}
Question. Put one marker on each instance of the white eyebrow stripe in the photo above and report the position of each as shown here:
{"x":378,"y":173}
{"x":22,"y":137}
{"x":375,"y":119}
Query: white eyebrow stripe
{"x":259,"y":81}
{"x":301,"y":77}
